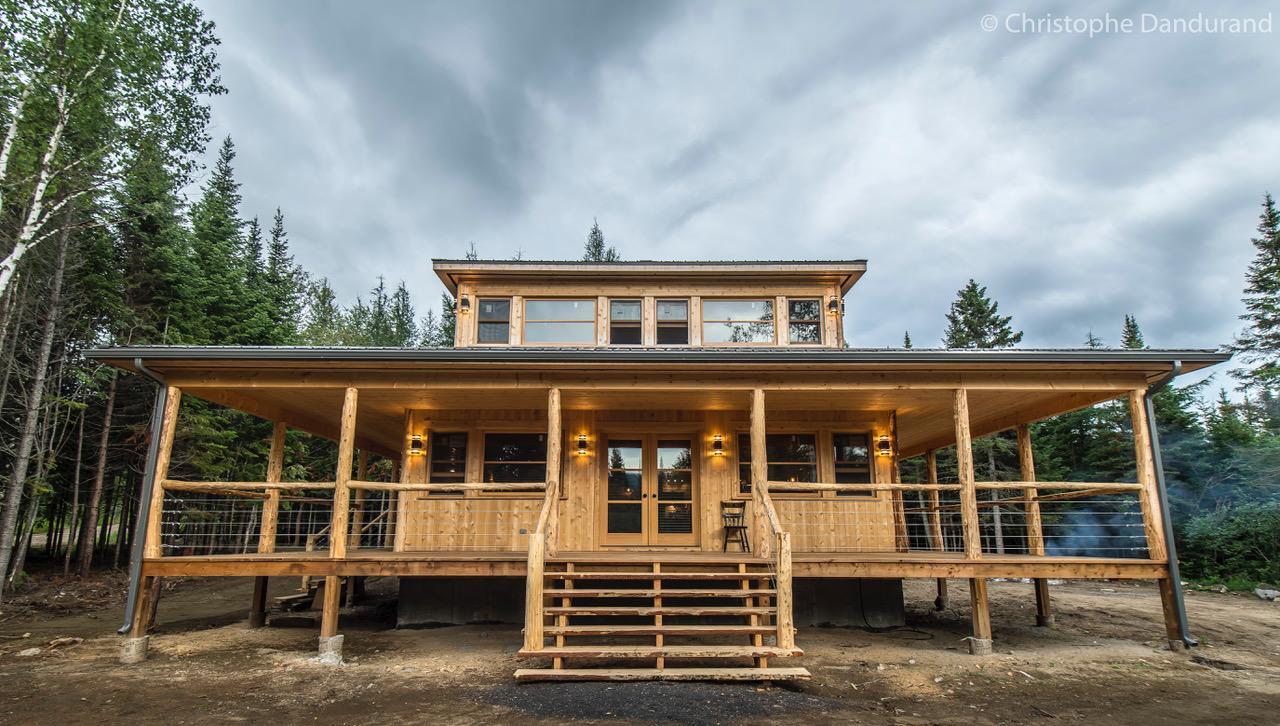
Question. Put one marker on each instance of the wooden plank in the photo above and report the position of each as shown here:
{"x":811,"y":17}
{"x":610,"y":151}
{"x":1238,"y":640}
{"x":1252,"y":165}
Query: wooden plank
{"x":658,"y":629}
{"x":164,"y":453}
{"x":647,"y":611}
{"x":275,"y":471}
{"x":964,"y":466}
{"x":665,"y":674}
{"x":668,"y":575}
{"x":341,"y":494}
{"x":1152,"y":517}
{"x":669,"y":651}
{"x":447,"y":486}
{"x":673,"y":593}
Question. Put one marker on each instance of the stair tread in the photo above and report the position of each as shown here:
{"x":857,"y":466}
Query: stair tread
{"x":612,"y":592}
{"x":639,"y":575}
{"x":670,"y":651}
{"x":664,"y":674}
{"x":663,"y":610}
{"x":657,"y":629}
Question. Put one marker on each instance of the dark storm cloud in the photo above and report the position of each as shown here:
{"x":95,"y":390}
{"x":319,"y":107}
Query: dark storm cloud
{"x":1079,"y":178}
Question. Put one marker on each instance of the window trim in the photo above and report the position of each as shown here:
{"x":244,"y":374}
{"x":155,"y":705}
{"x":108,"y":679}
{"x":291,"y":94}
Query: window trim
{"x":594,"y":320}
{"x":703,"y":320}
{"x":511,"y":309}
{"x":818,"y":438}
{"x":431,"y":460}
{"x":688,"y":320}
{"x":818,"y":321}
{"x":871,"y":461}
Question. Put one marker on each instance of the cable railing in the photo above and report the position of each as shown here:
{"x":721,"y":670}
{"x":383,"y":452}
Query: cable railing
{"x":1043,"y":519}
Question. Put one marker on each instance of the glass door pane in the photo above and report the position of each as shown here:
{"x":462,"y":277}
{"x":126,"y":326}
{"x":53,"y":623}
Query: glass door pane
{"x":625,"y":487}
{"x":674,"y":497}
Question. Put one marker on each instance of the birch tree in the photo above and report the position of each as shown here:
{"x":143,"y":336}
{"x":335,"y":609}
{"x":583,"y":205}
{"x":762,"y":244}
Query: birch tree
{"x":105,"y":71}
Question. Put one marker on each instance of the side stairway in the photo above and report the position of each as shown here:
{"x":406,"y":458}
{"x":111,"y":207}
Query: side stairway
{"x":650,"y":616}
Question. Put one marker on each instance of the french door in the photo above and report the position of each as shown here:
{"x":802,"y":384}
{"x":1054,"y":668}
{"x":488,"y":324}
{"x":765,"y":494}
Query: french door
{"x":649,"y":490}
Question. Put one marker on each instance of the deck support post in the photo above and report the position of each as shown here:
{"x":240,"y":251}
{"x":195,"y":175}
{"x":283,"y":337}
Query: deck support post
{"x":269,"y":523}
{"x":935,"y":523}
{"x":759,"y":474}
{"x":1142,"y":413}
{"x":1035,"y":526}
{"x":330,"y":641}
{"x":258,"y":610}
{"x":134,"y":648}
{"x":964,"y":468}
{"x":980,"y":641}
{"x":555,"y":441}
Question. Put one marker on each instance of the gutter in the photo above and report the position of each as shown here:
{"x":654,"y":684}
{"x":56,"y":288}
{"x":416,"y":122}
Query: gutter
{"x":144,"y":501}
{"x":1171,"y":547}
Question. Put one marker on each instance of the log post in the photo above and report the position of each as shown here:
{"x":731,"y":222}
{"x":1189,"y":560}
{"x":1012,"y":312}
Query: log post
{"x":1148,"y":496}
{"x":935,"y":523}
{"x":784,"y":618}
{"x":169,"y":424}
{"x":270,"y":522}
{"x":330,"y":641}
{"x":555,"y":441}
{"x":759,"y":473}
{"x":964,"y":466}
{"x":1035,"y":526}
{"x":533,"y":626}
{"x":980,"y":641}
{"x":357,"y":517}
{"x":258,"y":610}
{"x":341,"y":492}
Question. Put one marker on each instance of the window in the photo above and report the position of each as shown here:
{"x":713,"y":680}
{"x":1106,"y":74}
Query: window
{"x":624,"y":322}
{"x":673,"y":322}
{"x":737,"y":321}
{"x":791,"y":457}
{"x":494,"y":320}
{"x":515,"y":458}
{"x":448,"y":457}
{"x":804,"y":321}
{"x":853,"y":460}
{"x":560,"y":321}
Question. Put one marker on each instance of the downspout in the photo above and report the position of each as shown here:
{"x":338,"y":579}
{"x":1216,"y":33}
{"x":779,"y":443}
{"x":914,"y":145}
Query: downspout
{"x":1162,"y":492}
{"x":144,"y":502}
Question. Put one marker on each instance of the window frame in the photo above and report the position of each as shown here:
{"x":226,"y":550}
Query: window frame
{"x":594,"y":320}
{"x":688,"y":320}
{"x":430,"y":456}
{"x":704,"y":320}
{"x":483,"y":462}
{"x":818,"y":438}
{"x":511,"y":303}
{"x":871,"y":462}
{"x":638,"y":323}
{"x":816,"y":321}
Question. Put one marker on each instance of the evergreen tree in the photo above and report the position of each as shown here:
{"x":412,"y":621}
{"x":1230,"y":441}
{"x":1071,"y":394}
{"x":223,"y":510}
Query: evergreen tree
{"x":471,"y":253}
{"x":404,"y":328}
{"x":1131,"y":335}
{"x":1259,"y":342}
{"x":906,"y":339}
{"x":253,"y":255}
{"x":230,"y":317}
{"x":448,"y":320}
{"x":974,"y":321}
{"x":1225,"y":429}
{"x":324,"y":316}
{"x":596,"y":250}
{"x":285,"y":285}
{"x":429,"y":330}
{"x":1092,"y":341}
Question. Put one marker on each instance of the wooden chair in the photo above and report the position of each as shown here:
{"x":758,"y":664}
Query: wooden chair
{"x":733,"y":512}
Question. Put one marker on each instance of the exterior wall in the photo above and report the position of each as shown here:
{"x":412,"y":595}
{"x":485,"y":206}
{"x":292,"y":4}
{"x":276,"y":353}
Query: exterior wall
{"x":649,"y":292}
{"x":488,"y":521}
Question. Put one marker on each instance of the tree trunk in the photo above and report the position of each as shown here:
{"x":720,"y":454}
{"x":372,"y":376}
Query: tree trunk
{"x":75,"y":500}
{"x":89,"y":525}
{"x":35,"y":401}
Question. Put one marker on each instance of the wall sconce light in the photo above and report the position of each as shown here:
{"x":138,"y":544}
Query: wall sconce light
{"x":415,"y":445}
{"x":464,"y":304}
{"x":717,"y":445}
{"x":833,"y":305}
{"x":582,"y":444}
{"x":884,"y":446}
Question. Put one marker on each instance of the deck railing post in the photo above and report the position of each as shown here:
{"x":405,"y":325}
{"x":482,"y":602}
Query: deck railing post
{"x":555,"y":436}
{"x":1147,"y":496}
{"x":1035,"y":525}
{"x":964,"y":467}
{"x":935,"y":523}
{"x":759,"y":473}
{"x":341,"y":490}
{"x":164,"y":454}
{"x":785,"y":619}
{"x":271,"y":506}
{"x":357,"y":517}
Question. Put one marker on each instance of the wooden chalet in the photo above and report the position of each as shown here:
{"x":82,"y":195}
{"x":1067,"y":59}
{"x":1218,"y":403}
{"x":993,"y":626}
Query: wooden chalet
{"x":661,"y":468}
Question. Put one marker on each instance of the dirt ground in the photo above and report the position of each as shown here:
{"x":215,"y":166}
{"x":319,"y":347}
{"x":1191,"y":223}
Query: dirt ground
{"x":1104,"y":661}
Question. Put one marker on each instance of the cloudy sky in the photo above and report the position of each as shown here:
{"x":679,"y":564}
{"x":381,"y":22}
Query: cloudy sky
{"x":1078,"y":178}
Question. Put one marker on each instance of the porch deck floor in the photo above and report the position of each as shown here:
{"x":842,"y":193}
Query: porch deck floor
{"x":379,"y":562}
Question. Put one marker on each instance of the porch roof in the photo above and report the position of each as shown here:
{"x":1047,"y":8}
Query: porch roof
{"x":303,"y":386}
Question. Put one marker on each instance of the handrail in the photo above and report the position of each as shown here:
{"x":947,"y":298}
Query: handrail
{"x":784,"y":619}
{"x":179,"y":485}
{"x":448,"y":487}
{"x":802,"y":486}
{"x":540,"y":540}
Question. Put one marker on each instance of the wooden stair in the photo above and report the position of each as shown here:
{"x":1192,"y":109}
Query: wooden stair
{"x":647,"y":616}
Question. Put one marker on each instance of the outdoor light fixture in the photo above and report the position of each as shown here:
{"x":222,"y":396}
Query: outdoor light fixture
{"x":833,"y":305}
{"x":464,"y":304}
{"x":717,"y":445}
{"x":582,"y":444}
{"x":415,"y":445}
{"x":884,"y":447}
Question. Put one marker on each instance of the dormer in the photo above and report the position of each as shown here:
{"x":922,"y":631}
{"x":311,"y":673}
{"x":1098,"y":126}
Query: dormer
{"x":649,"y":303}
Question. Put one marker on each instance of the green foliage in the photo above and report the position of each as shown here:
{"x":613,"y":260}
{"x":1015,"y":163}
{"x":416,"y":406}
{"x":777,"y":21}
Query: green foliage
{"x":1259,"y":343}
{"x":595,"y":249}
{"x":1131,"y":335}
{"x":1241,"y":541}
{"x":906,"y":339}
{"x":974,"y":321}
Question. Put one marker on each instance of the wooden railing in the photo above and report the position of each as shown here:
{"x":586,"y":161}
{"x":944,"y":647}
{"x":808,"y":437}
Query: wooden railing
{"x":784,"y":618}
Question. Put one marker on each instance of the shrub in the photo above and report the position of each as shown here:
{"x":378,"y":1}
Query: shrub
{"x":1237,"y":541}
